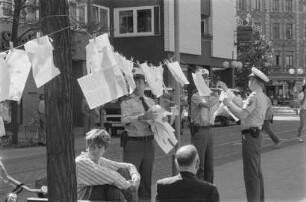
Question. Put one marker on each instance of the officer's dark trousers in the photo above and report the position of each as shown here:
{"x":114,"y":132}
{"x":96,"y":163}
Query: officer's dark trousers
{"x":141,"y":154}
{"x":253,"y":179}
{"x":203,"y":141}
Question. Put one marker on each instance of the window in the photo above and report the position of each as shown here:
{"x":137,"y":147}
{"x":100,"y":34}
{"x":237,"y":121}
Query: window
{"x":204,"y":26}
{"x":101,"y":15}
{"x":78,"y":12}
{"x":137,"y":21}
{"x":289,"y":59}
{"x":242,"y":5}
{"x":32,"y":10}
{"x":275,"y":31}
{"x":288,"y":5}
{"x":7,"y":7}
{"x":257,"y":5}
{"x":289,"y":30}
{"x":277,"y":59}
{"x":304,"y":5}
{"x":275,"y":5}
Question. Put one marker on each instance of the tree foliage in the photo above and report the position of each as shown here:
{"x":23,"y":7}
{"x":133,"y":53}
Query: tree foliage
{"x":258,"y":53}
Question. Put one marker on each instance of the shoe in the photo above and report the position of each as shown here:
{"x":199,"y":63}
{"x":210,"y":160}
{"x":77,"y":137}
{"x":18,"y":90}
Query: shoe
{"x":278,"y":145}
{"x":300,"y":140}
{"x":41,"y":144}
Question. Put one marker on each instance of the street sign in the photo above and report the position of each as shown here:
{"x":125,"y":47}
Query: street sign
{"x":244,"y":34}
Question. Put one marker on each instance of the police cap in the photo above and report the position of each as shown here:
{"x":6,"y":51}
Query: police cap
{"x":259,"y":74}
{"x":138,"y":73}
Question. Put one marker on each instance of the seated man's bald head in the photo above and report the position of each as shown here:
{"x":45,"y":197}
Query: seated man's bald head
{"x":186,"y":155}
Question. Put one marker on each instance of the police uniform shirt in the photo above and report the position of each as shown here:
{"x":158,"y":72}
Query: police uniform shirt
{"x":256,"y":105}
{"x":131,"y":109}
{"x":200,"y":115}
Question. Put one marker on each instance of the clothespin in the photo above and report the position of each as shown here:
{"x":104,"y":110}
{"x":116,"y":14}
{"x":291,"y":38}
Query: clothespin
{"x":38,"y":36}
{"x":94,"y":37}
{"x":11,"y":46}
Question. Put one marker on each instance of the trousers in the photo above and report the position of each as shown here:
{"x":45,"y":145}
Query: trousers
{"x":203,"y":141}
{"x":141,"y":154}
{"x":251,"y":157}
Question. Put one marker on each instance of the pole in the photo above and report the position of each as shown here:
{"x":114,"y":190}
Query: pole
{"x":177,"y":85}
{"x":89,"y":16}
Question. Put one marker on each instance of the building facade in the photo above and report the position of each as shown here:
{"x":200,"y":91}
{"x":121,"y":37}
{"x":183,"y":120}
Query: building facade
{"x":144,"y":30}
{"x":284,"y":23}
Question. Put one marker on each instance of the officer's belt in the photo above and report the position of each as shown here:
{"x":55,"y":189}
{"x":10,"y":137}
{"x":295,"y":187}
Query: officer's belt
{"x":248,"y":131}
{"x":199,"y":126}
{"x":141,"y":138}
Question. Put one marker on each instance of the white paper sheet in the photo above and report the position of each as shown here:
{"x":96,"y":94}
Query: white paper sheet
{"x":154,"y":76}
{"x":4,"y":80}
{"x":41,"y":57}
{"x":93,"y":58}
{"x":126,"y":67}
{"x":177,"y":73}
{"x":95,"y":89}
{"x":163,"y":132}
{"x":19,"y":67}
{"x":200,"y":84}
{"x":2,"y":128}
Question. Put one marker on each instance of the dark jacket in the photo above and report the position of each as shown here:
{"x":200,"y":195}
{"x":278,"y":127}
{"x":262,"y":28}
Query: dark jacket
{"x":185,"y":187}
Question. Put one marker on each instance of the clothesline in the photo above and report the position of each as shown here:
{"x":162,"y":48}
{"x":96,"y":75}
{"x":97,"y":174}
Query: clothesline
{"x":68,"y":27}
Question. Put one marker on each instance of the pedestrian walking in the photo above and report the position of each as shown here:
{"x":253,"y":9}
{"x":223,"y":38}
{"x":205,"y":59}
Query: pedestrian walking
{"x":102,"y":179}
{"x":252,"y":115}
{"x":267,"y":124}
{"x":138,"y":145}
{"x":201,"y":122}
{"x":186,"y":186}
{"x":41,"y":109}
{"x":302,"y":99}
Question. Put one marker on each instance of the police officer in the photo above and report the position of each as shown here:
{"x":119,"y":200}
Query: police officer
{"x":202,"y":110}
{"x":139,"y":148}
{"x":252,"y":116}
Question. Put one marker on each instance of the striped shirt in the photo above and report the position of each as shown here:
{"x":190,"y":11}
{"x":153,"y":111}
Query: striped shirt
{"x":104,"y":172}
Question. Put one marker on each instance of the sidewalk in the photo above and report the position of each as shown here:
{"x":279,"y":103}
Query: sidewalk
{"x":284,"y":173}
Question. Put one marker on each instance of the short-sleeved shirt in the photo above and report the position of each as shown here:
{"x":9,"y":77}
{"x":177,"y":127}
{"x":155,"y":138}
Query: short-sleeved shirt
{"x":131,"y":109}
{"x":200,"y":115}
{"x":256,"y":105}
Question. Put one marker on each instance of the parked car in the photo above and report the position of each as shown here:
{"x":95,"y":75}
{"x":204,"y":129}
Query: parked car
{"x":112,"y":117}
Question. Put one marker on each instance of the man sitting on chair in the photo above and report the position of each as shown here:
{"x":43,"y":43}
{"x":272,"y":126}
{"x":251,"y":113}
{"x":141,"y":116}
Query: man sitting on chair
{"x":99,"y":178}
{"x":186,"y":186}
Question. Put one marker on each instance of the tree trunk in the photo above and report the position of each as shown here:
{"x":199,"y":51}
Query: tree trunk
{"x":58,"y":98}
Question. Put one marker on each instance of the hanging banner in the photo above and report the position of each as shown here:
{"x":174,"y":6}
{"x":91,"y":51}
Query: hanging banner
{"x":95,"y":89}
{"x":199,"y":82}
{"x":154,"y":77}
{"x":177,"y":73}
{"x":19,"y":68}
{"x":4,"y":80}
{"x":40,"y":53}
